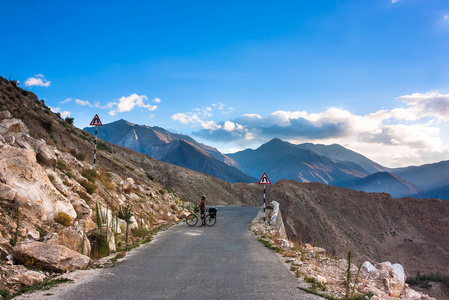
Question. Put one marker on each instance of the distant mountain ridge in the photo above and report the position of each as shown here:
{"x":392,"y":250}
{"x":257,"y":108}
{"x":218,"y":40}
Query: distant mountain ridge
{"x":303,"y":163}
{"x":329,"y":164}
{"x":173,"y":148}
{"x":338,"y":166}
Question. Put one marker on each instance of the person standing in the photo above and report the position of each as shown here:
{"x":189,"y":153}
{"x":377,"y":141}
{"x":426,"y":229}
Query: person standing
{"x":202,"y":208}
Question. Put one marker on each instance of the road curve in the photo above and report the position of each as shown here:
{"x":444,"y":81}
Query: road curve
{"x":220,"y":262}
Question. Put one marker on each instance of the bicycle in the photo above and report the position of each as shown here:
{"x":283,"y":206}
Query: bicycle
{"x":210,"y":217}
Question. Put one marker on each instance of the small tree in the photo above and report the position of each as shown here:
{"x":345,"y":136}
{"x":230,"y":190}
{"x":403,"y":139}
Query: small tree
{"x":125,"y":214}
{"x":69,"y":120}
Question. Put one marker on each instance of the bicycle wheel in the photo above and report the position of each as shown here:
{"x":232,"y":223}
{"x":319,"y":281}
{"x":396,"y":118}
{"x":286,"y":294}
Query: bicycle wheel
{"x":210,"y":221}
{"x":191,"y":220}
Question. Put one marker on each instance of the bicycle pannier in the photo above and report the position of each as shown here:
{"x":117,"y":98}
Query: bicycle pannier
{"x":213,"y":212}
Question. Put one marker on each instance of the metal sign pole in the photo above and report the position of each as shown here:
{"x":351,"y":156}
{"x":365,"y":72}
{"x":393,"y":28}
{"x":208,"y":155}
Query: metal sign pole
{"x":95,"y":149}
{"x":264,"y":180}
{"x":264,"y":203}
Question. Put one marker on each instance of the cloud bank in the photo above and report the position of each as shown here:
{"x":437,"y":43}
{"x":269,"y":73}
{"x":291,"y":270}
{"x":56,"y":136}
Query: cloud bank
{"x":125,"y":104}
{"x":413,"y":126}
{"x":37,"y":80}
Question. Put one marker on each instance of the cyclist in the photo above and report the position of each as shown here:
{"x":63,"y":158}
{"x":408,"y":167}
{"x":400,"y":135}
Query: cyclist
{"x":202,"y":208}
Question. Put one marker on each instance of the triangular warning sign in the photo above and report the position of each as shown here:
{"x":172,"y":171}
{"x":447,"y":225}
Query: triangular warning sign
{"x":264,"y":179}
{"x":96,"y":121}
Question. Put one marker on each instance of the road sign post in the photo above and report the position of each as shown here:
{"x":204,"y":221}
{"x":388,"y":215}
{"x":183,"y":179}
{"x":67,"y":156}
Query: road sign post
{"x":95,"y":122}
{"x":264,"y":180}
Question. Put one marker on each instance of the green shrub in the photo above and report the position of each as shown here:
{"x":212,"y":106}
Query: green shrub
{"x":90,"y":174}
{"x":52,"y":178}
{"x":149,"y":176}
{"x":140,"y":232}
{"x":107,"y":181}
{"x":102,"y":146}
{"x":63,"y":218}
{"x":90,"y":187}
{"x":61,"y":165}
{"x":80,"y":156}
{"x":69,"y":120}
{"x":47,"y":124}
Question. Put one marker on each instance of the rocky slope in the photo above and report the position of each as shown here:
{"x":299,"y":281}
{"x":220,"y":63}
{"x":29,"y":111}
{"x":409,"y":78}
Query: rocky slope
{"x":327,"y":276}
{"x":374,"y":226}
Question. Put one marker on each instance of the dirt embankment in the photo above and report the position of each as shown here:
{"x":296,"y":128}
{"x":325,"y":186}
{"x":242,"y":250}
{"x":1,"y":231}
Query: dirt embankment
{"x":374,"y":226}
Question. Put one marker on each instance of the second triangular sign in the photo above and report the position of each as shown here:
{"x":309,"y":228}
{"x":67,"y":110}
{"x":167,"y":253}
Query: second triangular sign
{"x":264,"y":179}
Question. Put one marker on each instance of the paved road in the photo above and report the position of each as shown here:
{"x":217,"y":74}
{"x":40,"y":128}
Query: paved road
{"x":220,"y":262}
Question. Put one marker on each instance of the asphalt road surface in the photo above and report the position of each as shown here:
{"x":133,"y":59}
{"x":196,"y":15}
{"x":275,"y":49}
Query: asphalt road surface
{"x":221,"y":262}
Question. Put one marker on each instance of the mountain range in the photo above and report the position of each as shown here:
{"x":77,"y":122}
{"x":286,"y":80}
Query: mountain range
{"x":177,"y":149}
{"x":329,"y":164}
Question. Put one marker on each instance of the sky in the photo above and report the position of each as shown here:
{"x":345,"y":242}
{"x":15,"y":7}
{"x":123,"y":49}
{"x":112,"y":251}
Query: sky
{"x":370,"y":75}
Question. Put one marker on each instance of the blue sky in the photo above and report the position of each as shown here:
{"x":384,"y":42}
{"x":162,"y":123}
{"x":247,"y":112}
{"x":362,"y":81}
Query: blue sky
{"x":371,"y":75}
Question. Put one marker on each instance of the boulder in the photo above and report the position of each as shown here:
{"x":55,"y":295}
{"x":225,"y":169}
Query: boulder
{"x":369,"y":269}
{"x":12,"y":126}
{"x":45,"y":155}
{"x":398,"y":272}
{"x":32,"y":184}
{"x":51,"y":257}
{"x":57,"y":182}
{"x":183,"y":214}
{"x":4,"y":114}
{"x":83,"y":210}
{"x":70,"y":237}
{"x":7,"y":192}
{"x":394,"y":286}
{"x":384,"y":267}
{"x":5,"y":248}
{"x":30,"y":278}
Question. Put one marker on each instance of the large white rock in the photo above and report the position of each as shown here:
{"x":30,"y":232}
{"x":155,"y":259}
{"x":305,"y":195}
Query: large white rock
{"x":369,"y":269}
{"x":398,"y":272}
{"x":394,"y":286}
{"x":4,"y":114}
{"x":7,"y":192}
{"x":52,"y":257}
{"x":12,"y":126}
{"x":22,"y":172}
{"x":57,"y":182}
{"x":384,"y":267}
{"x":30,"y":278}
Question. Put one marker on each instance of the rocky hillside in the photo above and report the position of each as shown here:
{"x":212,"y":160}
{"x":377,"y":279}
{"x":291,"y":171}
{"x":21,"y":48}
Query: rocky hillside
{"x":374,"y":226}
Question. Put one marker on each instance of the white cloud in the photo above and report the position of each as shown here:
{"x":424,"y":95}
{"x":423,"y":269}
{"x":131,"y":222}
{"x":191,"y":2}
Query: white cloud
{"x":64,"y":114}
{"x":83,"y":102}
{"x":66,"y":100}
{"x":222,"y":108}
{"x":37,"y":80}
{"x":431,"y":104}
{"x":157,"y":100}
{"x":125,"y":104}
{"x":394,"y":1}
{"x":413,"y":129}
